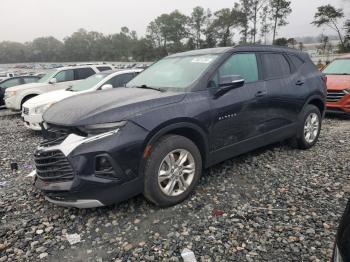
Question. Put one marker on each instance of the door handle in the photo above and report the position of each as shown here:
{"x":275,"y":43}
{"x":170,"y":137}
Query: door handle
{"x":299,"y":83}
{"x":260,"y":93}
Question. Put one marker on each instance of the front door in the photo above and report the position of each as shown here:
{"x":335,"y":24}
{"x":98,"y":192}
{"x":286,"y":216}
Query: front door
{"x":237,"y":113}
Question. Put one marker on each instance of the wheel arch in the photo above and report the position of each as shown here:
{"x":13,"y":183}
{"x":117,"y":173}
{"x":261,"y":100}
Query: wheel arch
{"x":317,"y":101}
{"x":183,"y":128}
{"x":26,"y":97}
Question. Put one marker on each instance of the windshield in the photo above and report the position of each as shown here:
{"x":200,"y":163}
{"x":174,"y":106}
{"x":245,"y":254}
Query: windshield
{"x":87,"y":83}
{"x":47,"y":77}
{"x":176,"y":72}
{"x":338,"y":67}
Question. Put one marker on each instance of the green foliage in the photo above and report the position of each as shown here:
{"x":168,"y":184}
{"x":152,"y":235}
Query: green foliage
{"x":223,"y":23}
{"x":168,"y":31}
{"x":279,"y":10}
{"x":345,"y":48}
{"x":281,"y":41}
{"x":328,"y":15}
{"x":166,"y":34}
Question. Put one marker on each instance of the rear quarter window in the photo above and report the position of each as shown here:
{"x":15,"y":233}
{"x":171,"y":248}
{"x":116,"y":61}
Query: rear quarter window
{"x":82,"y":73}
{"x":297,"y":62}
{"x":103,"y":68}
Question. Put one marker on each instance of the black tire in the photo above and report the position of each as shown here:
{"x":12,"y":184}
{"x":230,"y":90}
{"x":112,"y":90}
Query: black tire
{"x":299,"y":141}
{"x":163,"y":147}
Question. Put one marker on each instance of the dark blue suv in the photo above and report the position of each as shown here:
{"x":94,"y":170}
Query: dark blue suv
{"x":186,"y":112}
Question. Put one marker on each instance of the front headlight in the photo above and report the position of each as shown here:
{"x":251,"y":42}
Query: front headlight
{"x":41,"y":109}
{"x":10,"y":93}
{"x":347,"y":91}
{"x":96,"y":129}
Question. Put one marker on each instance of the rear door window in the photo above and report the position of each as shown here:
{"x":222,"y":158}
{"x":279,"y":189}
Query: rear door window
{"x":103,"y":68}
{"x":64,"y":76}
{"x":275,"y":66}
{"x":82,"y":73}
{"x":297,"y":62}
{"x":120,"y":80}
{"x":29,"y":79}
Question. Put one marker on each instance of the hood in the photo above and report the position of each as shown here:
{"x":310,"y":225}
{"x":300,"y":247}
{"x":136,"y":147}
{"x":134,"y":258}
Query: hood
{"x":26,"y":86}
{"x":48,"y":98}
{"x":338,"y":82}
{"x":108,"y":106}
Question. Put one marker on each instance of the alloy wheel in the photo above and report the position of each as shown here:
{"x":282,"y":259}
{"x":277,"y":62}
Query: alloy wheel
{"x":311,"y":127}
{"x":176,"y":172}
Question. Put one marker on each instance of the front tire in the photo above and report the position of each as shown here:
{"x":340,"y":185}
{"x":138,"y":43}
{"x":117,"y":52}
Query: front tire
{"x":309,"y":127}
{"x":172,"y":170}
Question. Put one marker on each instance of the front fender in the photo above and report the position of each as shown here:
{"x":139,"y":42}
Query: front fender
{"x":185,"y":127}
{"x":25,"y":94}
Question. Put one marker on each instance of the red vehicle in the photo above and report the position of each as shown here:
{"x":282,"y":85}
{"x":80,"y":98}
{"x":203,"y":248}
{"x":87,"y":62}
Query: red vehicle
{"x":338,"y":85}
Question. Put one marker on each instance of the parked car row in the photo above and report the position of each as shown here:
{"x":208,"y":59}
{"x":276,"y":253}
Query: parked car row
{"x":55,"y":79}
{"x":34,"y":108}
{"x":15,"y":81}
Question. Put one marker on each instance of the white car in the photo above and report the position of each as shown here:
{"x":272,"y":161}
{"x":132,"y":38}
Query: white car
{"x":33,"y":109}
{"x":6,"y":75}
{"x":56,"y":79}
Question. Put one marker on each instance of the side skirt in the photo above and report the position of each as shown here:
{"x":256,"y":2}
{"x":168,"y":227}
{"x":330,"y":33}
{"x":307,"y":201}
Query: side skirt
{"x":251,"y":144}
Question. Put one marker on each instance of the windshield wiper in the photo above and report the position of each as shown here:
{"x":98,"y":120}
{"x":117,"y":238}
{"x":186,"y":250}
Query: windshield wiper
{"x":149,"y":87}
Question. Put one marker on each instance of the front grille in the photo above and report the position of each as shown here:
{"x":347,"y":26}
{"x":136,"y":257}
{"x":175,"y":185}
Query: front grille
{"x":53,"y":166}
{"x":334,"y":96}
{"x":25,"y":110}
{"x":54,"y":136}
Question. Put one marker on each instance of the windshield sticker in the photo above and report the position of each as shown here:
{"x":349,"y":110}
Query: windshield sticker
{"x":202,"y":60}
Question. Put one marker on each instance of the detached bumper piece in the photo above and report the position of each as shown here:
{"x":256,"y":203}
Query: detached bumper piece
{"x":53,"y":166}
{"x":86,"y":203}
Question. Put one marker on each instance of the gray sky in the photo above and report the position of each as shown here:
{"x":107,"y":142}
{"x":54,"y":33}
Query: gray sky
{"x":24,"y":20}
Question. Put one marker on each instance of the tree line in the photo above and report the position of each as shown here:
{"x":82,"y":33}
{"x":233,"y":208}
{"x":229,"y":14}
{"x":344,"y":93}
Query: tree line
{"x":248,"y":21}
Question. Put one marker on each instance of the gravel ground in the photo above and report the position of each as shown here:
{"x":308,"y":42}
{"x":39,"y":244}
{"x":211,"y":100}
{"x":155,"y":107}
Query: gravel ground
{"x":274,"y":204}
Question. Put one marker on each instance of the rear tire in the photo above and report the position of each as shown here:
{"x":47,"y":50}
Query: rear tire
{"x":309,"y":128}
{"x":172,"y":170}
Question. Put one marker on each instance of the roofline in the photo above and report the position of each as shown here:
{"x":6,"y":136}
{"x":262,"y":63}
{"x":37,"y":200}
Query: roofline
{"x":117,"y":72}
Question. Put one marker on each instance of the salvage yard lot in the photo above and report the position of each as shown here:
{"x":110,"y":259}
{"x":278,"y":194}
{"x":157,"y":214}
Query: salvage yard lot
{"x":274,"y":204}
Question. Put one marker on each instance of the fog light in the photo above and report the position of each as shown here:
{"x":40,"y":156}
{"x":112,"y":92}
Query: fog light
{"x":103,"y":164}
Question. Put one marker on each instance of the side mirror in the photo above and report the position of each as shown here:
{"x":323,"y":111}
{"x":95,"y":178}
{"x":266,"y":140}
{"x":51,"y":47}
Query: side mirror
{"x":53,"y":81}
{"x":106,"y":86}
{"x":227,"y":83}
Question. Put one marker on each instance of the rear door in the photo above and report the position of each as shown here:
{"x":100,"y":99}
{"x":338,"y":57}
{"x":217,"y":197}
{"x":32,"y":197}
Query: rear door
{"x":282,"y":89}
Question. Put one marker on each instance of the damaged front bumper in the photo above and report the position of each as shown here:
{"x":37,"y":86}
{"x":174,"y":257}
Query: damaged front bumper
{"x":68,"y":173}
